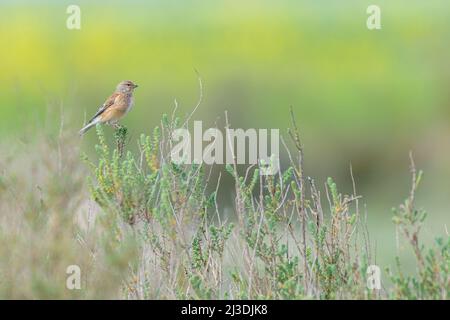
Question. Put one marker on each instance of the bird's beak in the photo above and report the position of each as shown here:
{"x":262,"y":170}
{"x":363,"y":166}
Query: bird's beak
{"x":135,"y":86}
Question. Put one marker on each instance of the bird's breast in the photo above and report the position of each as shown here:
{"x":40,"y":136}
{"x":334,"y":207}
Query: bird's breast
{"x":125,"y":103}
{"x":130,"y":104}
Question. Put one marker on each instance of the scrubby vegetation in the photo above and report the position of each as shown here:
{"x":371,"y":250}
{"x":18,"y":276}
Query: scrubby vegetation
{"x":281,"y":243}
{"x":155,"y":229}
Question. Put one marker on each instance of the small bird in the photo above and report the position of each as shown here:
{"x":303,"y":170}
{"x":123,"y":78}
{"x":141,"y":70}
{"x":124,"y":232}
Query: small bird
{"x":115,"y":107}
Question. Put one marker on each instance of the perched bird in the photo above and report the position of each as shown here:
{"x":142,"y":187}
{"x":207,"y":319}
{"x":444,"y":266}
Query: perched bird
{"x":115,"y":107}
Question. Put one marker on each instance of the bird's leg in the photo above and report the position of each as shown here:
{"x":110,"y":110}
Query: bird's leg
{"x":115,"y":125}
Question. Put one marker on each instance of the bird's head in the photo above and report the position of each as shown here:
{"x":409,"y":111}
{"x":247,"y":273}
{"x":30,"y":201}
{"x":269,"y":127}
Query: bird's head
{"x":126,"y":86}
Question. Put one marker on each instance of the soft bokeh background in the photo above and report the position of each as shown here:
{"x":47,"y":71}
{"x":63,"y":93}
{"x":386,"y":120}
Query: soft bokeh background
{"x":361,"y":97}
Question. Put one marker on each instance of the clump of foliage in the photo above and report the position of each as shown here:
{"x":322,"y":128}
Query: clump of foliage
{"x":281,"y":244}
{"x":168,"y":207}
{"x":47,"y":224}
{"x":433,"y":264}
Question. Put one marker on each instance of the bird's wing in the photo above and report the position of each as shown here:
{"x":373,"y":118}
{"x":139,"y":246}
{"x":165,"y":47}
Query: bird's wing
{"x":108,"y":103}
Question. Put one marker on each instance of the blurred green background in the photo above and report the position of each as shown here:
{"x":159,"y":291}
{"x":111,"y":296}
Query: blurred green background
{"x":361,"y":97}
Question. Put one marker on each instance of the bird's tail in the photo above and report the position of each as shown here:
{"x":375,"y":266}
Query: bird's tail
{"x":88,"y":126}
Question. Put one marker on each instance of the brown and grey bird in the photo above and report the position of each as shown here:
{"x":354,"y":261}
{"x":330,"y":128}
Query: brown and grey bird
{"x":115,"y":107}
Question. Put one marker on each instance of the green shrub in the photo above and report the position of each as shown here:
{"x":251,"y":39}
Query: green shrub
{"x":281,"y":244}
